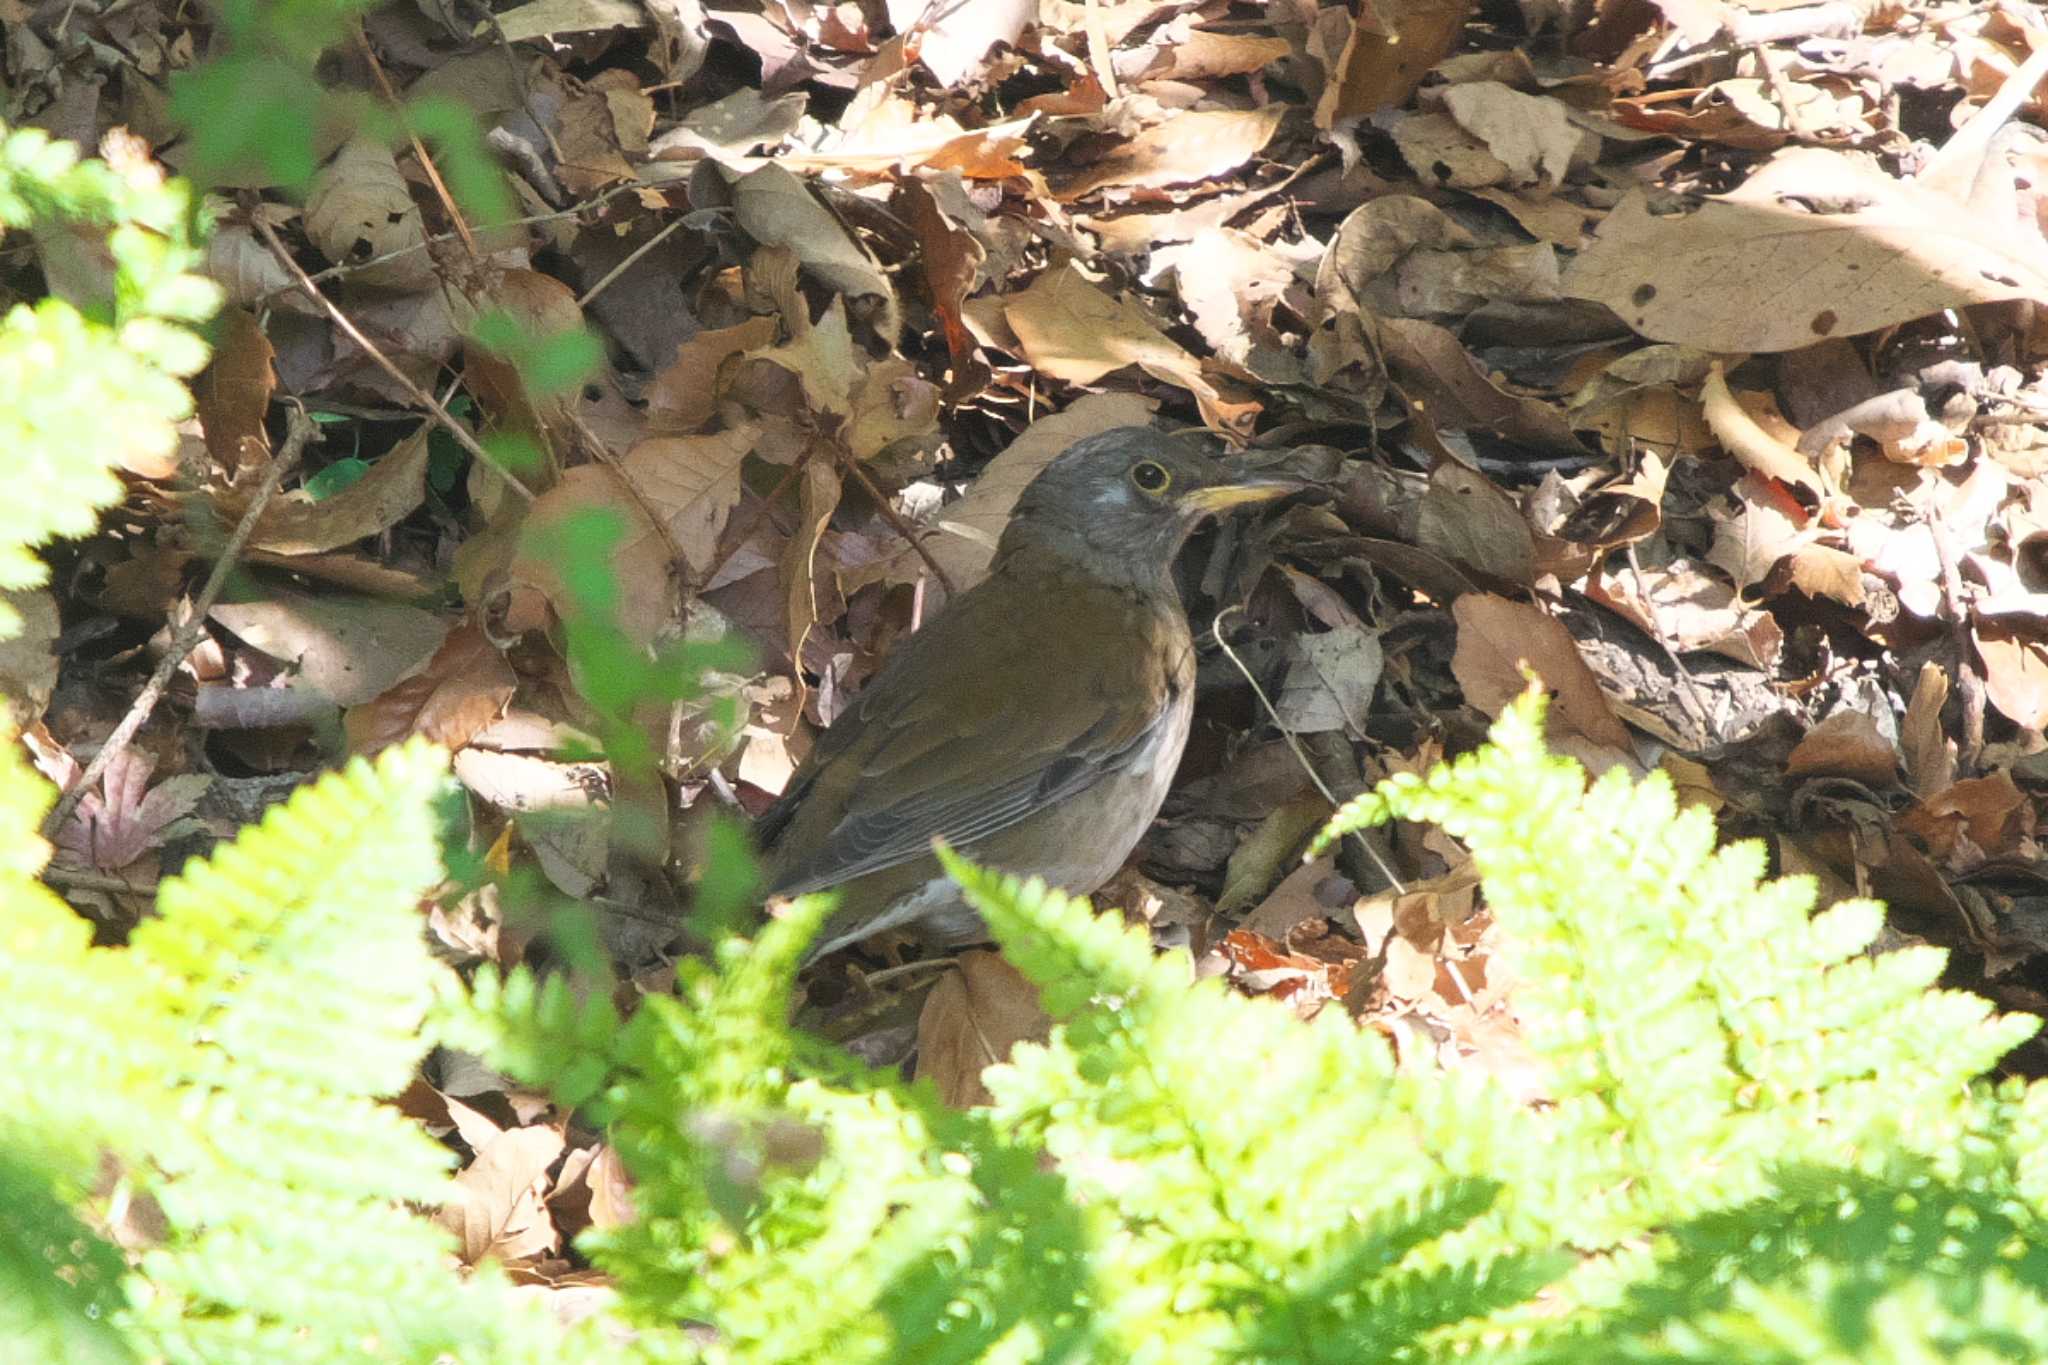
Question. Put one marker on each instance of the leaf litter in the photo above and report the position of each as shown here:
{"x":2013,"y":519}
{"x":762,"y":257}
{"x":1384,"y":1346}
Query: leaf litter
{"x":1688,"y":359}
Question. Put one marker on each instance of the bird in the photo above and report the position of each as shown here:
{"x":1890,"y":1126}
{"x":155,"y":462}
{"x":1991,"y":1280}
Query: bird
{"x":1035,"y":723}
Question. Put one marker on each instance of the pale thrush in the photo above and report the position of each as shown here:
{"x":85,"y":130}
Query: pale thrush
{"x":1035,"y":723}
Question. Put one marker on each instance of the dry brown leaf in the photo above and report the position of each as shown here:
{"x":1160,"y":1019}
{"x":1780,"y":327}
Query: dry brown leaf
{"x":359,"y":208}
{"x":497,"y":1209}
{"x":1384,"y":56}
{"x":233,"y":395}
{"x":396,"y":483}
{"x":1764,"y":528}
{"x":1761,"y":270}
{"x":1846,"y":744}
{"x":1498,"y":637}
{"x":1467,"y":519}
{"x":1186,"y":147}
{"x":347,"y":649}
{"x":973,"y":1017}
{"x":1930,"y":755}
{"x":1330,"y":680}
{"x":1070,"y":329}
{"x":684,"y":395}
{"x":777,"y":209}
{"x":1533,"y":137}
{"x":894,"y":408}
{"x":1205,"y":55}
{"x":823,"y":359}
{"x":692,"y":483}
{"x":28,"y":667}
{"x":1992,"y":813}
{"x":1741,"y":436}
{"x":461,"y":690}
{"x":1691,"y":610}
{"x":2015,"y":674}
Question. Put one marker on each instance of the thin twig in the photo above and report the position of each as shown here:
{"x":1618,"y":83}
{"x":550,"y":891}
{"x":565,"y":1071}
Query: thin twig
{"x":348,"y":268}
{"x":299,"y":430}
{"x":902,"y":527}
{"x":736,"y":536}
{"x":419,"y":149}
{"x":633,"y":259}
{"x":1294,"y":744}
{"x":383,"y":362}
{"x":1796,"y":122}
{"x":1969,"y":685}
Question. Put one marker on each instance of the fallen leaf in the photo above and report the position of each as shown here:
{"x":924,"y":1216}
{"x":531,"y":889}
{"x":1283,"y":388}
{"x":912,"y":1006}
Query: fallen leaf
{"x":232,"y":395}
{"x":1070,"y":329}
{"x":497,"y":1209}
{"x":113,"y":827}
{"x":359,"y":209}
{"x":28,"y":667}
{"x":1930,"y":755}
{"x":1330,"y":680}
{"x":294,"y":524}
{"x":971,"y":1020}
{"x":1384,"y":57}
{"x":347,"y":649}
{"x":1815,"y":244}
{"x":2015,"y":674}
{"x":1846,"y":744}
{"x":684,"y":395}
{"x":777,"y":209}
{"x":1741,"y":436}
{"x":1533,"y":136}
{"x":1497,"y":637}
{"x":1185,"y":147}
{"x":460,"y":691}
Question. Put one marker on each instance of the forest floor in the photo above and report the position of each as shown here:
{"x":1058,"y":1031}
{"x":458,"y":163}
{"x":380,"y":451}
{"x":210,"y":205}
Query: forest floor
{"x":1685,"y":352}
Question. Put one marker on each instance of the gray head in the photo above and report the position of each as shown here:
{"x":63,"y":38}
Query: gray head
{"x":1123,"y":501}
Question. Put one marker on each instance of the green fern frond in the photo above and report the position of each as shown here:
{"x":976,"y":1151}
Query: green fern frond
{"x":779,"y":1173}
{"x":1209,"y":1192}
{"x":1700,"y":1027}
{"x":62,"y":1282}
{"x":89,"y":381}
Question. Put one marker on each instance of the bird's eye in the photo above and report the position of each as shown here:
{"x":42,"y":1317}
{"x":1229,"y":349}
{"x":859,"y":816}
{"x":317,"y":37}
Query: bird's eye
{"x":1150,"y":476}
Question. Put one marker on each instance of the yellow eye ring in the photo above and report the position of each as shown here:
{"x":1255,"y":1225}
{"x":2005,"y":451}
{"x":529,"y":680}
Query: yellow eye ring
{"x":1151,"y":477}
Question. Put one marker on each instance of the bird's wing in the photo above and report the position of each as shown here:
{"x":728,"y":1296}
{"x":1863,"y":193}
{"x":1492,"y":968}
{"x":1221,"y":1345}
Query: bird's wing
{"x":931,"y":751}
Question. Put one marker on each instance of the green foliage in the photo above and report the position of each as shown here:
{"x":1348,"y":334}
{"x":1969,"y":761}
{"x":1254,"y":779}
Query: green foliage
{"x":1701,"y":1029}
{"x":90,"y":377}
{"x":229,"y":1060}
{"x":1759,"y":1144}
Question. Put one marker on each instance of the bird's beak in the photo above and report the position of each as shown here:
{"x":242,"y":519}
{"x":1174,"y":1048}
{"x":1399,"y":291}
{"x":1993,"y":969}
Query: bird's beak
{"x":1211,"y":499}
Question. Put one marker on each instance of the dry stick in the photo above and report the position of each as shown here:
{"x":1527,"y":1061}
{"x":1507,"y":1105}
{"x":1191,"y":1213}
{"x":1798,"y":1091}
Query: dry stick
{"x":418,"y":395}
{"x":299,"y":430}
{"x":1781,"y":89}
{"x":612,"y":275}
{"x":735,"y":539}
{"x":419,"y":149}
{"x":348,"y":268}
{"x":1968,"y":685}
{"x":901,"y":527}
{"x":1294,"y":744}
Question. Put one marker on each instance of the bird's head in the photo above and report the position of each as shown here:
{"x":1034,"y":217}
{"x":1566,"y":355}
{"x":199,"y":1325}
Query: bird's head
{"x":1128,"y":497}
